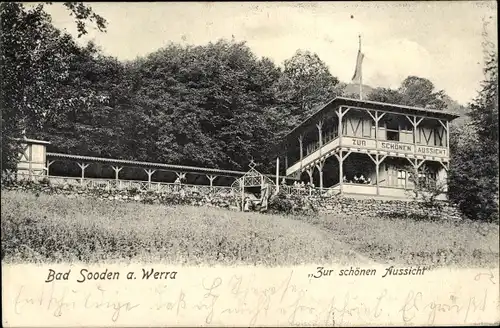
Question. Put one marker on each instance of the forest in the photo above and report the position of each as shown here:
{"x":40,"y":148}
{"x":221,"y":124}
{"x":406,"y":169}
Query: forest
{"x":216,"y":105}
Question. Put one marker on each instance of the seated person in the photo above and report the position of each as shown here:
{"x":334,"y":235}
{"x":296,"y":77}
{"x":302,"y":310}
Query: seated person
{"x":344,"y":179}
{"x":369,"y":181}
{"x":356,"y":179}
{"x":361,"y":179}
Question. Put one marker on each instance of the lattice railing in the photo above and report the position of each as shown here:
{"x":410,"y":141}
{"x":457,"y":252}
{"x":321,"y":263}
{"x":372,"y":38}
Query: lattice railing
{"x":164,"y":187}
{"x":108,"y":184}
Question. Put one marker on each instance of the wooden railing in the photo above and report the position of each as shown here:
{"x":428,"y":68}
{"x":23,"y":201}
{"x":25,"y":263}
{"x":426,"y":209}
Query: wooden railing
{"x":113,"y":184}
{"x":109,"y":184}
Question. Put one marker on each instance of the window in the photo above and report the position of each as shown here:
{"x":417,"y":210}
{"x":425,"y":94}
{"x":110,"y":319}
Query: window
{"x":402,"y":178}
{"x":427,"y":179}
{"x":392,"y":129}
{"x":392,"y":135}
{"x":406,"y":126}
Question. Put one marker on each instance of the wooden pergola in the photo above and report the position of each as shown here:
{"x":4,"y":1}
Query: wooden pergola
{"x":254,"y":179}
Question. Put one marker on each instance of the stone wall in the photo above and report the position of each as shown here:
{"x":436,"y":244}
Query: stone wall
{"x":182,"y":197}
{"x":311,"y":205}
{"x":418,"y":210}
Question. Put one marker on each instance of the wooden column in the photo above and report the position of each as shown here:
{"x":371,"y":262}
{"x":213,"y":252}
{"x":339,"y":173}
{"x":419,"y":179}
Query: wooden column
{"x":376,"y":118}
{"x":149,"y":173}
{"x":444,"y":176}
{"x":446,"y":129}
{"x":181,"y":176}
{"x":301,"y":148}
{"x":377,"y":160}
{"x":117,"y":170}
{"x":448,"y":137}
{"x":83,"y":166}
{"x":414,"y":122}
{"x":340,"y":113}
{"x":49,"y":163}
{"x":341,"y":159}
{"x":277,"y":174}
{"x":416,"y":166}
{"x":310,"y":171}
{"x":211,"y":178}
{"x":320,"y":136}
{"x":320,"y":166}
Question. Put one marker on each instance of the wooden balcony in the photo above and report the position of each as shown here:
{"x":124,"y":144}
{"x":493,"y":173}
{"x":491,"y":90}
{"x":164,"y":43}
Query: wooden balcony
{"x":371,"y":145}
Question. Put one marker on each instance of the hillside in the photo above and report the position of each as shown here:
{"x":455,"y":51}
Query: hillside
{"x":54,"y":228}
{"x":352,"y":90}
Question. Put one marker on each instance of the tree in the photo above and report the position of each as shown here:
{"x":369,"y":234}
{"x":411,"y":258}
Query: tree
{"x":414,"y":91}
{"x":426,"y":189}
{"x":214,"y":105}
{"x":305,"y":84}
{"x":35,"y":60}
{"x":387,"y":95}
{"x":474,"y":167}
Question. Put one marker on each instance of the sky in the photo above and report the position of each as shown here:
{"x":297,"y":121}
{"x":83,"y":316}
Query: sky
{"x":441,"y":40}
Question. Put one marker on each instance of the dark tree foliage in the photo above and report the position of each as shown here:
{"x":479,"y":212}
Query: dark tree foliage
{"x":473,"y":176}
{"x":36,"y":60}
{"x":414,"y":91}
{"x":305,"y":84}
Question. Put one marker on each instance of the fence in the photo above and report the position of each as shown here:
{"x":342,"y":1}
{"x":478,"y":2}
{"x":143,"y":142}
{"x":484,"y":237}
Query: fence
{"x":120,"y":184}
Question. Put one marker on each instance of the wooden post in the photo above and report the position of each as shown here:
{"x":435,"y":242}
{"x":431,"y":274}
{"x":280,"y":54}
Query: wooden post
{"x":340,"y":115}
{"x":301,"y":147}
{"x":149,"y":173}
{"x":339,"y":133}
{"x":30,"y":159}
{"x":277,"y":174}
{"x":320,"y":166}
{"x":446,"y":129}
{"x":320,"y":136}
{"x":310,"y":173}
{"x":181,"y":176}
{"x":211,"y":178}
{"x":448,"y":138}
{"x":117,"y":170}
{"x":377,"y":160}
{"x":49,"y":163}
{"x":83,"y":166}
{"x":242,"y":186}
{"x":415,"y":124}
{"x":341,"y":159}
{"x":376,"y":118}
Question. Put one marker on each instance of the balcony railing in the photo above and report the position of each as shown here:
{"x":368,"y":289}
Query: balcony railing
{"x":388,"y":146}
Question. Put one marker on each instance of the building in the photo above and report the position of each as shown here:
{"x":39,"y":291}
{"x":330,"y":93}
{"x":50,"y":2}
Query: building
{"x":388,"y":145}
{"x":33,"y":157}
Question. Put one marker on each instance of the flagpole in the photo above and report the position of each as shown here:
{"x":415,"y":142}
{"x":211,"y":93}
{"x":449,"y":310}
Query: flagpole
{"x":360,"y":75}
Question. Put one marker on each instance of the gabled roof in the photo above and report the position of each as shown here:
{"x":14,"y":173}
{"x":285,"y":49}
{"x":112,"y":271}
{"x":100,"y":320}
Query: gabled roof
{"x":252,"y":178}
{"x":374,"y":105}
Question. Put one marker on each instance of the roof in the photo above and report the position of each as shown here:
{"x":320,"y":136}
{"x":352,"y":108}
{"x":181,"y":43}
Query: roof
{"x":374,"y":105}
{"x":32,"y":141}
{"x":166,"y":167}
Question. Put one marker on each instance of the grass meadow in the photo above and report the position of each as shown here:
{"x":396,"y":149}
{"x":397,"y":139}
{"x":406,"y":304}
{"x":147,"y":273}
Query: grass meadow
{"x":57,"y":229}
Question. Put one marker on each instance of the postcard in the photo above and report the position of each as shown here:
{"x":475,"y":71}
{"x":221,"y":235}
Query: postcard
{"x":249,"y":164}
